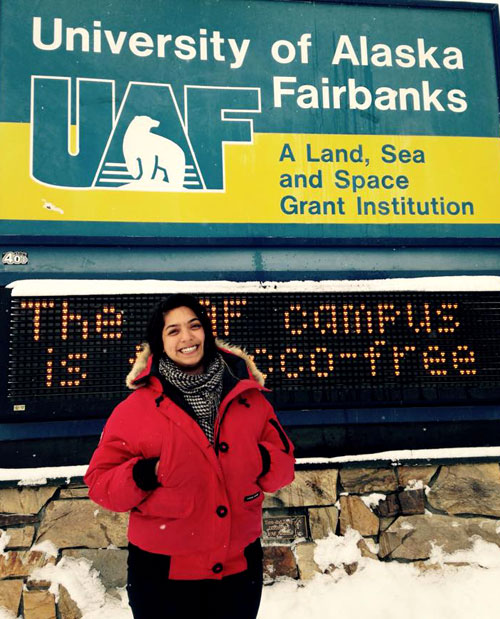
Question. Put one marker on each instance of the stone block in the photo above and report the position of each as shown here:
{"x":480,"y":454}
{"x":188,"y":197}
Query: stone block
{"x":7,"y":520}
{"x":110,"y":563}
{"x":389,"y":507}
{"x":322,"y":520}
{"x":14,"y":564}
{"x":467,"y":489}
{"x":356,"y":515}
{"x":365,"y":550}
{"x":20,"y":537}
{"x":74,"y":493}
{"x":76,"y":522}
{"x":10,"y":595}
{"x":412,"y":502}
{"x":309,"y":488}
{"x":304,"y":553}
{"x":39,"y":605}
{"x":410,"y":476}
{"x":279,"y":561}
{"x":351,"y":568}
{"x":25,"y":500}
{"x":67,"y":608}
{"x":38,"y":584}
{"x":363,"y":481}
{"x":385,"y":523}
{"x":412,"y":537}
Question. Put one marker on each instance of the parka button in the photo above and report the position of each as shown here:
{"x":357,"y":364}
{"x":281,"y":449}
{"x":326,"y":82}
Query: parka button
{"x":223,"y":447}
{"x":217,"y":568}
{"x":221,"y":511}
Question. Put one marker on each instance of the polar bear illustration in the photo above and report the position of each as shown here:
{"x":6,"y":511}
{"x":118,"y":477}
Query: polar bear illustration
{"x":147,"y":154}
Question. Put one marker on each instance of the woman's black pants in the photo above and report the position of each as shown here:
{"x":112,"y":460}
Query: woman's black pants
{"x":153,"y":596}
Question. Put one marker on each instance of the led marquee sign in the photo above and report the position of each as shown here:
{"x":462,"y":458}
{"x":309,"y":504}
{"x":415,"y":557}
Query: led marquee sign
{"x":317,"y":349}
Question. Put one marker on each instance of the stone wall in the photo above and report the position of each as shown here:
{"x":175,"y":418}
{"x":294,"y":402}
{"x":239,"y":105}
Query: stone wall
{"x":400,"y":512}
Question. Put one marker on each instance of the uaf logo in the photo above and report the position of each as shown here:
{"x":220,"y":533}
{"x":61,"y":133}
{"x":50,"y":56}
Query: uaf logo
{"x":147,"y":145}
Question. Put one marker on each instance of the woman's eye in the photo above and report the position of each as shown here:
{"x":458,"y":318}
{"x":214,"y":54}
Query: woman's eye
{"x":196,"y":326}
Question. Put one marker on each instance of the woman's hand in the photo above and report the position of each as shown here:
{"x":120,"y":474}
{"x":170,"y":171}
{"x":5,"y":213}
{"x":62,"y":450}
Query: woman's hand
{"x":145,"y":473}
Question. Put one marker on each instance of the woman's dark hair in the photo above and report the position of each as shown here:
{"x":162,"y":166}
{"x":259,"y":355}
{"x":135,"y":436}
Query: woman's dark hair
{"x":156,"y":324}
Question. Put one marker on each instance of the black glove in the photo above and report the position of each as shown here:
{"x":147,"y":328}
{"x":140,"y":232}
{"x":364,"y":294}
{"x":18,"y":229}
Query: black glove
{"x":144,"y":473}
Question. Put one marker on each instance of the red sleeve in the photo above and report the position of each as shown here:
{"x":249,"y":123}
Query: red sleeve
{"x":110,"y":473}
{"x":280,"y":450}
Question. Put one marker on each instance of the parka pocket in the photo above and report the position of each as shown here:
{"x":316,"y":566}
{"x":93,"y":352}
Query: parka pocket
{"x":253,"y":499}
{"x":169,"y":503}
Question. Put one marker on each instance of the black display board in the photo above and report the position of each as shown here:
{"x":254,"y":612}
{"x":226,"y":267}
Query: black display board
{"x":318,"y":350}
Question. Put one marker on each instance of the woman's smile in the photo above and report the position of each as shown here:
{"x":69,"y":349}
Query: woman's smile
{"x":190,"y":349}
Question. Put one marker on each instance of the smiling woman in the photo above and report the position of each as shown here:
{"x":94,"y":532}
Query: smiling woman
{"x":190,"y":454}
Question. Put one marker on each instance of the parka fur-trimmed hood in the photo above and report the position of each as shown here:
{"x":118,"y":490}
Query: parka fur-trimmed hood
{"x":141,"y":362}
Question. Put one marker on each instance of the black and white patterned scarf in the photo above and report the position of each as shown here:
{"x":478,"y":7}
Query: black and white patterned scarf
{"x":201,"y":391}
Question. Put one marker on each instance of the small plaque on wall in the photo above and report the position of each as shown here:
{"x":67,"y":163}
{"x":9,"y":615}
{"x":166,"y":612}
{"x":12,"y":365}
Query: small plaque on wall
{"x":285,"y":528}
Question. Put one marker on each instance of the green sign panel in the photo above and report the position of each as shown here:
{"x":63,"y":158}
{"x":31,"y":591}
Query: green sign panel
{"x":261,"y":118}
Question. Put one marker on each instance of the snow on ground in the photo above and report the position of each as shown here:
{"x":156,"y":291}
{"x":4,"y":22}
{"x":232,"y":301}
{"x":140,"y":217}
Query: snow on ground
{"x":387,"y":591}
{"x":391,"y":590}
{"x":376,"y":589}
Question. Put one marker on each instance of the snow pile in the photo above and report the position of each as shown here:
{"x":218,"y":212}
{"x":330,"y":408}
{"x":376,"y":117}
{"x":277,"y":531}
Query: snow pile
{"x":337,"y":550}
{"x":387,"y":591}
{"x":482,"y":554}
{"x":372,"y":500}
{"x":37,"y":481}
{"x":46,"y":547}
{"x":84,"y":587}
{"x":4,"y":540}
{"x":415,"y":484}
{"x":391,"y":590}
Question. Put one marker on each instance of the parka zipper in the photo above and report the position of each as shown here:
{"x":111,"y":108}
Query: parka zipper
{"x":241,"y":400}
{"x":216,"y":440}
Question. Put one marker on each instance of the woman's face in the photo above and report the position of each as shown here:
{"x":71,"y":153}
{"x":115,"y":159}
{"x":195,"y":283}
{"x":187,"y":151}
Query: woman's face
{"x":183,"y":339}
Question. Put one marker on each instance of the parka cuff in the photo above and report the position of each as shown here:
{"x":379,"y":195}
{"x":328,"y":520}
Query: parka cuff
{"x":144,"y":474}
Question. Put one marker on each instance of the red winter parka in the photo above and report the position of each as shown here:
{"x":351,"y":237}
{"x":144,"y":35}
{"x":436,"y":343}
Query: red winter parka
{"x":207,"y":508}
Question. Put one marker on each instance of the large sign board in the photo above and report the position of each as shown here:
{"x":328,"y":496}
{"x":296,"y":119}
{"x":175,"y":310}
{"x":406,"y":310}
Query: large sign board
{"x":319,"y":348}
{"x":251,"y":118}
